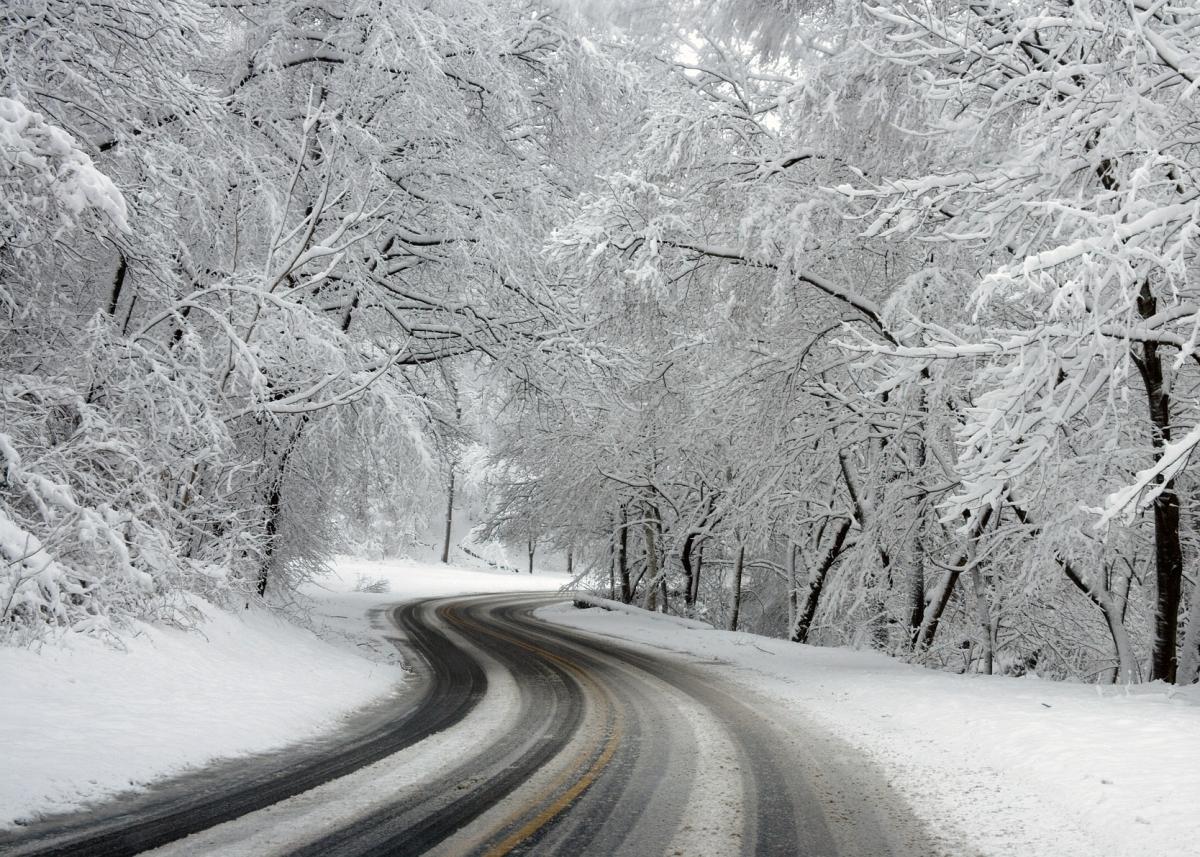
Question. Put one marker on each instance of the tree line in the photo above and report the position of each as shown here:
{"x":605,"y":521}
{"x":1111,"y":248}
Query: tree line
{"x":894,"y":317}
{"x":865,"y":323}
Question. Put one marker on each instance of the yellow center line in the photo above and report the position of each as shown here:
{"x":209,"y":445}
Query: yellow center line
{"x":564,"y":800}
{"x":552,"y":806}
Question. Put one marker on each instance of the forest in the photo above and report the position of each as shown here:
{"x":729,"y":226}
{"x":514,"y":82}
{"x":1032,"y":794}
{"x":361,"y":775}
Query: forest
{"x":858,"y":323}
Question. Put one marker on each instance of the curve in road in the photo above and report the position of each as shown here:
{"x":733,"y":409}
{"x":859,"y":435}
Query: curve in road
{"x":611,"y":750}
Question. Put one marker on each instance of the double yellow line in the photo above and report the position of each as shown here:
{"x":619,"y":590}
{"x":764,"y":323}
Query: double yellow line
{"x":548,"y":803}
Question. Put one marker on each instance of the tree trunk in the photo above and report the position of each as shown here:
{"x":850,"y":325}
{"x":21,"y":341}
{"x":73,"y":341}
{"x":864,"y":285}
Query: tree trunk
{"x":793,"y":591}
{"x":1168,"y":553}
{"x":693,"y":546}
{"x":275,"y":507}
{"x":1168,"y":560}
{"x":864,"y":511}
{"x":271,"y":530}
{"x":916,"y":573}
{"x":612,"y":563}
{"x":570,"y":562}
{"x":623,"y":557}
{"x":114,"y":298}
{"x":806,"y":613}
{"x":449,"y":519}
{"x":1123,"y":596}
{"x":935,"y":606}
{"x":133,"y":299}
{"x":983,"y":615}
{"x":180,"y":325}
{"x":118,"y":284}
{"x":532,"y":547}
{"x":685,"y":560}
{"x":652,"y":571}
{"x":916,"y":590}
{"x":738,"y":565}
{"x":1111,"y":611}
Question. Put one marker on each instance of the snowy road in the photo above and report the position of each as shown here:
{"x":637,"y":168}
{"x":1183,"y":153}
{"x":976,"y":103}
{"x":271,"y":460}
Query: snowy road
{"x":521,"y":737}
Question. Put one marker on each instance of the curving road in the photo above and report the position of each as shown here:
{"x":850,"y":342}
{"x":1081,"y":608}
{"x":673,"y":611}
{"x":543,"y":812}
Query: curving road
{"x":524,"y":738}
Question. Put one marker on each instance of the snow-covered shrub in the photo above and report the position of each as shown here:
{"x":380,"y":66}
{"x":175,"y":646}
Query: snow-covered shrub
{"x":375,"y":585}
{"x":73,"y":496}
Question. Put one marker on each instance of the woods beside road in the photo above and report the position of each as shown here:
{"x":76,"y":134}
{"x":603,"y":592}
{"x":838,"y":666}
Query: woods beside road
{"x":863,"y":324}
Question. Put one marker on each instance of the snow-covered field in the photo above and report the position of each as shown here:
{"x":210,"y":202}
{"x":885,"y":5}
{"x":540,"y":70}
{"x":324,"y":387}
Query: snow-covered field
{"x":81,"y":720}
{"x":1017,"y":767}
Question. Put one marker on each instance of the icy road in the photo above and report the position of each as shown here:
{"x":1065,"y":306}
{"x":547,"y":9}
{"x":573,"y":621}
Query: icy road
{"x":519,"y":737}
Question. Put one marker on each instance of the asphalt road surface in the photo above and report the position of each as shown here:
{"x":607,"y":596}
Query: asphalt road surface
{"x":518,"y":737}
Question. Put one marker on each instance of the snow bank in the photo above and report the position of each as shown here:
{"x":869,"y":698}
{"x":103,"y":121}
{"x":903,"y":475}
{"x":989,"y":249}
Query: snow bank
{"x":629,"y":609}
{"x":80,"y":720}
{"x":1014,"y":766}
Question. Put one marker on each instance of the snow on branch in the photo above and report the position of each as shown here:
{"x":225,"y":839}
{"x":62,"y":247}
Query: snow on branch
{"x":40,"y":164}
{"x":1148,"y":484}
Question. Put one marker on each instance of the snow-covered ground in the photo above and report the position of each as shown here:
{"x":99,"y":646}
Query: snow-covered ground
{"x":81,"y":720}
{"x":408,"y":579}
{"x":1017,"y":767}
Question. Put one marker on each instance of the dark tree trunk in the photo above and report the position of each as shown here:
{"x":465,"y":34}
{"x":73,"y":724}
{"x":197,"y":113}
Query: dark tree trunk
{"x":693,"y":545}
{"x":916,"y":600}
{"x":118,"y":284}
{"x":612,"y":563}
{"x":275,"y":507}
{"x":916,"y":572}
{"x":812,"y":598}
{"x":114,"y":298}
{"x":685,"y":560}
{"x":532,"y":547}
{"x":738,"y":566}
{"x":274,"y":498}
{"x":1168,"y":557}
{"x":1168,"y":552}
{"x":449,"y":519}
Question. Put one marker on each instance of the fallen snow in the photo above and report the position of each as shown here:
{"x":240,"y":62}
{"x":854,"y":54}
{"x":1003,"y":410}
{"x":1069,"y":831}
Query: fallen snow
{"x":1012,"y":766}
{"x":408,"y":579}
{"x":82,"y":720}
